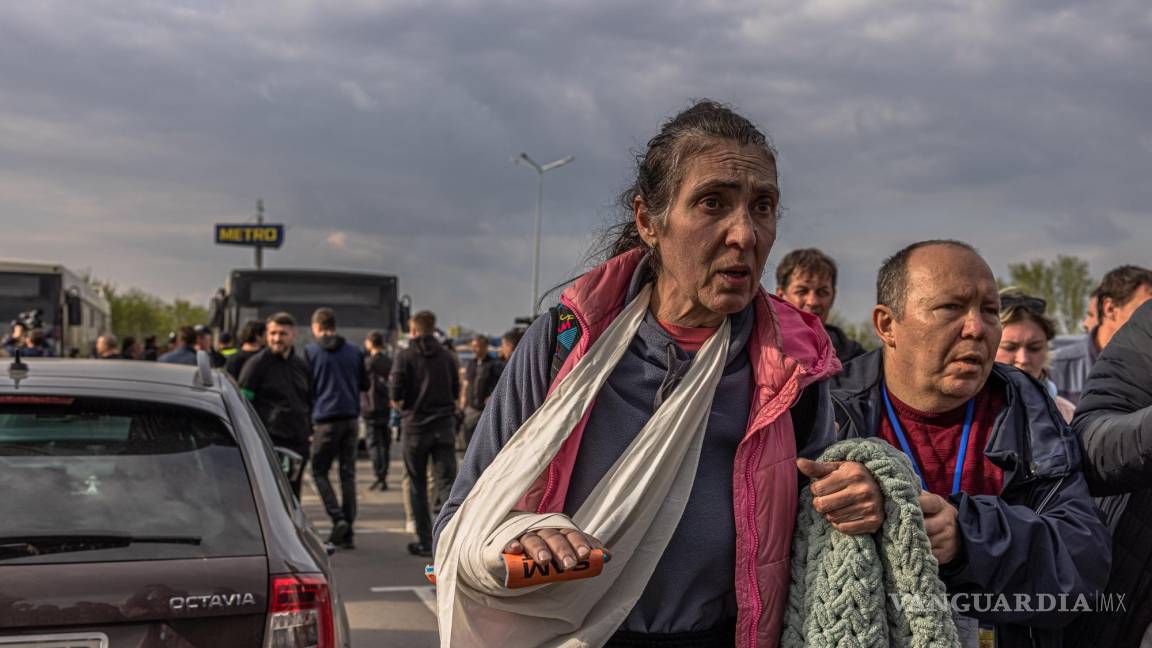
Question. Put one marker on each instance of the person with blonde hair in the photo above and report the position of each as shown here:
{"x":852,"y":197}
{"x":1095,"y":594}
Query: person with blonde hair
{"x":1028,"y":332}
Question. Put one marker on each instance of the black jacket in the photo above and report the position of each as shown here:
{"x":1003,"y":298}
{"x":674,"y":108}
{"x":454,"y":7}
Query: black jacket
{"x":1042,"y":535}
{"x":425,"y":381}
{"x":375,"y":405}
{"x":235,"y":363}
{"x":1114,"y":421}
{"x":281,"y":391}
{"x":846,"y":348}
{"x":481,"y":380}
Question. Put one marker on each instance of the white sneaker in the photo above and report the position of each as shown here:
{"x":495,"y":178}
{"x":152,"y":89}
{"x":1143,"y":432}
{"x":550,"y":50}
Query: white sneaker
{"x":410,"y":527}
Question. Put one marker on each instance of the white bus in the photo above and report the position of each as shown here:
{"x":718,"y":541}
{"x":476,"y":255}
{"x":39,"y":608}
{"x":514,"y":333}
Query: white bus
{"x":73,"y":313}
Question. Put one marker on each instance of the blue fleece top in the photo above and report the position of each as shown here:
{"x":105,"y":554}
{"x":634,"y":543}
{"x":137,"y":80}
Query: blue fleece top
{"x":693,"y":586}
{"x":338,"y":377}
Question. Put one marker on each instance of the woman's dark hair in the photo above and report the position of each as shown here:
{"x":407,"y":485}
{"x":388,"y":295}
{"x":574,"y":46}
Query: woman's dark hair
{"x":660,"y":167}
{"x":252,"y":332}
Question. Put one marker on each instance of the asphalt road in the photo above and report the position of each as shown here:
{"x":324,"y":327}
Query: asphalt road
{"x":388,"y":601}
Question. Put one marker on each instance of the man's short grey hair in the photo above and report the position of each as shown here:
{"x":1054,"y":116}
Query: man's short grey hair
{"x":892,"y":280}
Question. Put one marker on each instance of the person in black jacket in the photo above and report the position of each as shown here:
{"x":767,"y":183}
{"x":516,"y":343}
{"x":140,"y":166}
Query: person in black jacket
{"x":480,"y":376}
{"x":424,"y":386}
{"x":1006,"y":506}
{"x":807,"y":279}
{"x":251,"y":342}
{"x":150,"y":351}
{"x":376,"y":408}
{"x":279,"y":384}
{"x":1114,"y":421}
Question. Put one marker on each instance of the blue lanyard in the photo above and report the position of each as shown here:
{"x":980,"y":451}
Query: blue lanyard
{"x":958,"y":472}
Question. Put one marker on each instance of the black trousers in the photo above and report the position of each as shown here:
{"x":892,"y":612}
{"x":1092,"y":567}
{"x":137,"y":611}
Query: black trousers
{"x":435,"y":440}
{"x":335,"y":441}
{"x":722,"y":636}
{"x":379,"y":443}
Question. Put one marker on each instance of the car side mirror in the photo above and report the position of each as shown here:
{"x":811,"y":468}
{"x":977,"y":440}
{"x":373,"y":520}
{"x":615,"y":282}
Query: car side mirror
{"x":290,"y":462}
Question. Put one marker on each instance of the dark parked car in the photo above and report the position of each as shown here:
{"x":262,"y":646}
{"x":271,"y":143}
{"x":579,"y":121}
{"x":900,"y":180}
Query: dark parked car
{"x":143,"y":505}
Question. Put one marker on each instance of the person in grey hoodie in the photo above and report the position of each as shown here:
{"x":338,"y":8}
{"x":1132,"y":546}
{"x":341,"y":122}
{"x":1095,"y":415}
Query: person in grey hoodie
{"x":424,"y":384}
{"x":338,"y":377}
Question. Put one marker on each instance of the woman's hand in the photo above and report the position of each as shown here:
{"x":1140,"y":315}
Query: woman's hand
{"x":565,"y":547}
{"x":846,"y":494}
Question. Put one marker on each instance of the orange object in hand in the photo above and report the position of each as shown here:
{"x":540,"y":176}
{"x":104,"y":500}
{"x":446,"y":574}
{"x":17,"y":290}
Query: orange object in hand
{"x":521,"y":571}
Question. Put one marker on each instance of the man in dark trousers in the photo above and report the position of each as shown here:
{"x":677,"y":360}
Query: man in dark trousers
{"x":337,"y":378}
{"x":278,"y":383}
{"x":377,"y":408}
{"x":424,"y":387}
{"x":480,"y":376}
{"x":1114,"y":421}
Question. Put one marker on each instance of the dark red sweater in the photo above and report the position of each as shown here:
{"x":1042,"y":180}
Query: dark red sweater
{"x":935,"y":443}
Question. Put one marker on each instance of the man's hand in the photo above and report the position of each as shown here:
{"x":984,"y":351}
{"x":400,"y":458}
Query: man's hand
{"x":940,"y":525}
{"x":845,"y":493}
{"x":565,"y":547}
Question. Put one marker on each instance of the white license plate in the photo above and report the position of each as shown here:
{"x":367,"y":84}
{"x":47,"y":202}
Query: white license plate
{"x":78,"y":640}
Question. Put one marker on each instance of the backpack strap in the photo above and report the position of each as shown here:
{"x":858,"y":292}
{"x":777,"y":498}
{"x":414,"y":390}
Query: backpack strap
{"x":563,"y":333}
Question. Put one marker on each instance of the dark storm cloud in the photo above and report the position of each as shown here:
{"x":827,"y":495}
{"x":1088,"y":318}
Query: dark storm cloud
{"x":1087,"y":228}
{"x":381,"y":132}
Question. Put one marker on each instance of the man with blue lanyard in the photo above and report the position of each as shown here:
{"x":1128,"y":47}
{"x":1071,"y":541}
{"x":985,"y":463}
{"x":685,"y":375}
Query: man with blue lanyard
{"x":1005,"y":504}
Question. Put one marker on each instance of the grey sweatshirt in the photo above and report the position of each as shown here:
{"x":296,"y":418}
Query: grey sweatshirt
{"x":693,"y":586}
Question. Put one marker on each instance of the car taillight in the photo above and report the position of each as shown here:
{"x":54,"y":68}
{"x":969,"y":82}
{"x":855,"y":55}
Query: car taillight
{"x":300,"y":613}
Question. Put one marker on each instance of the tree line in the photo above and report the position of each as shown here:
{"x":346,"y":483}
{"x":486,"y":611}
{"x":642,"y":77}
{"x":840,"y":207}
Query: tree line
{"x":139,"y":314}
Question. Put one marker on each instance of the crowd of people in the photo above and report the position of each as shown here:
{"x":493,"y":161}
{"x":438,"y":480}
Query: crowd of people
{"x":312,"y":404}
{"x":34,"y":342}
{"x":670,"y":410}
{"x":671,"y":336}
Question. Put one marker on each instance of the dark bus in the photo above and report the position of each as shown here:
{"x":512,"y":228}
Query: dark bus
{"x":50,"y":297}
{"x":363,"y":301}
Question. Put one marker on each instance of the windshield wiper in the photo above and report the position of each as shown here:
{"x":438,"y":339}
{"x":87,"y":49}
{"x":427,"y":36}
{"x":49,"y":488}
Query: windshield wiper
{"x":22,"y":546}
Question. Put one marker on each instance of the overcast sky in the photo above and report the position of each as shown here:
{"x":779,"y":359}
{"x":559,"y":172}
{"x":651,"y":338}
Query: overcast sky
{"x":381,"y":133}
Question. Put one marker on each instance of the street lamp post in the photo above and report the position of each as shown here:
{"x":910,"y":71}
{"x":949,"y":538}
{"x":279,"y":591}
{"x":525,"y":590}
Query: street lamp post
{"x":540,"y":170}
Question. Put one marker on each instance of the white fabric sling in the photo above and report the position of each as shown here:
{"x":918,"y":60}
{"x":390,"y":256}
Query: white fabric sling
{"x":634,"y":510}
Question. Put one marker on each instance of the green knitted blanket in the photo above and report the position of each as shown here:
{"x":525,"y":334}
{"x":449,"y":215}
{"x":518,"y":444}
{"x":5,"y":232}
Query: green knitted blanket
{"x":842,"y":585}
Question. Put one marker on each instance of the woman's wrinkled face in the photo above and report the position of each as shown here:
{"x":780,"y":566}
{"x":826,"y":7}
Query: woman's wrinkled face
{"x":716,"y":235}
{"x":1025,"y":347}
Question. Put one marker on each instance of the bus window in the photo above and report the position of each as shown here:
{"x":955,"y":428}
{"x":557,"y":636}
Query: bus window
{"x":20,"y":286}
{"x":332,"y":294}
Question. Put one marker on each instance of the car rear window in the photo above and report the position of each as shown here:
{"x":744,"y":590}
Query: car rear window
{"x":96,"y":480}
